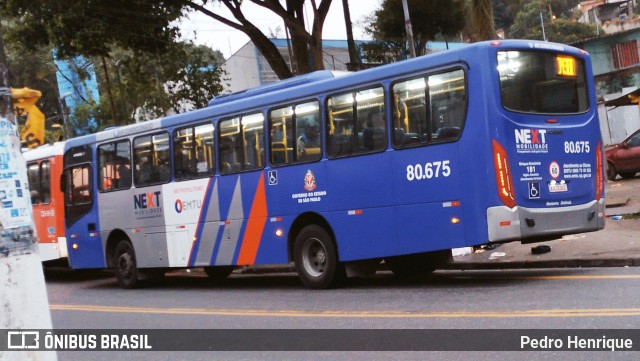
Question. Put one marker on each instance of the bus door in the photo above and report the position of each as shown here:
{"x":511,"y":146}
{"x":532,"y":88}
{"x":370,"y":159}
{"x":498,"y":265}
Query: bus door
{"x":427,"y":118}
{"x":354,"y":190}
{"x":240,"y":191}
{"x":551,"y":143}
{"x":44,"y":210}
{"x":81,"y":217}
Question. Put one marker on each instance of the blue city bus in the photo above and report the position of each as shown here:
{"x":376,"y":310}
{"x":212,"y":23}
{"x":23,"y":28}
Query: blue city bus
{"x":491,"y":143}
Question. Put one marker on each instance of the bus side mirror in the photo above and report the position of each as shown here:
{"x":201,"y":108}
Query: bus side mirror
{"x":63,"y":182}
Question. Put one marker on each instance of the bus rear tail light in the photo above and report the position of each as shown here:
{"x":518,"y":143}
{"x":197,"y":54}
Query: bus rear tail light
{"x":503,"y":175}
{"x":599,"y":180}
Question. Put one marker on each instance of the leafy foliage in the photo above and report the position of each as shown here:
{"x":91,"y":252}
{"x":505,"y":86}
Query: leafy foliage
{"x":146,"y":86}
{"x":429,"y":18}
{"x":92,"y":28}
{"x":562,"y":29}
{"x":482,"y":21}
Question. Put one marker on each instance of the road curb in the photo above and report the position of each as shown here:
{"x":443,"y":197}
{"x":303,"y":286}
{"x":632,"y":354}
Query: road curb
{"x":488,"y":265}
{"x":567,"y":263}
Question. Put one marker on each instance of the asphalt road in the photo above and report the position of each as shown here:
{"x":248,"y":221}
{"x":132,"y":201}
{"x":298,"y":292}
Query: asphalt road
{"x":596,"y":298}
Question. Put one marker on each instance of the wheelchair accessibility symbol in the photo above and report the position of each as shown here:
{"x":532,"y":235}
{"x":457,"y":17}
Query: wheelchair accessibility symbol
{"x":534,"y":190}
{"x":273,"y":177}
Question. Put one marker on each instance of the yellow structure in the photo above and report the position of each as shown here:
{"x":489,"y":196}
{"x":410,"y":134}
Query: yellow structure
{"x":24,"y":102}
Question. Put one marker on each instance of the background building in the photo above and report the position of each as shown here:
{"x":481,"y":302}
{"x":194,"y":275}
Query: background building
{"x":616,"y":69}
{"x":247,"y":68}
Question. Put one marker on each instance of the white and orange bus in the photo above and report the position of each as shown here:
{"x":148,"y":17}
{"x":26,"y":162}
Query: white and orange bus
{"x":44,"y":167}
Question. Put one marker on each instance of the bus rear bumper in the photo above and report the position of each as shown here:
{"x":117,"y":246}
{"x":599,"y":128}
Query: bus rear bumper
{"x":529,"y":224}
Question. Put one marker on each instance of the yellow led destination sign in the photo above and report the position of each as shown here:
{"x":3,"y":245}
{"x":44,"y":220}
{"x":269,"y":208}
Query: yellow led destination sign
{"x":566,"y":65}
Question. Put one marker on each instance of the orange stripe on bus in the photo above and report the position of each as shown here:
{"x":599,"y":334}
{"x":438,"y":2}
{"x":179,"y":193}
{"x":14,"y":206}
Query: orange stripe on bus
{"x":255,"y":227}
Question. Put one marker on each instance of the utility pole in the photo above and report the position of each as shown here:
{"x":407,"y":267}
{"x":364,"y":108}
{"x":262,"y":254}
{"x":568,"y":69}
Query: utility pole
{"x":23,"y":297}
{"x":544,"y":36}
{"x":407,"y":25}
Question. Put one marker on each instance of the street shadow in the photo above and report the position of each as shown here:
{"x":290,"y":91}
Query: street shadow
{"x":63,"y":274}
{"x":195,"y":280}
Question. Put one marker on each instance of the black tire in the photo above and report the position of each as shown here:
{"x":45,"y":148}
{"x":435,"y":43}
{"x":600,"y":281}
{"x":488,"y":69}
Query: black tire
{"x":316,"y":259}
{"x":218,"y":273}
{"x":418,"y":265}
{"x":627,"y":175}
{"x":612,"y":173}
{"x":125,"y":265}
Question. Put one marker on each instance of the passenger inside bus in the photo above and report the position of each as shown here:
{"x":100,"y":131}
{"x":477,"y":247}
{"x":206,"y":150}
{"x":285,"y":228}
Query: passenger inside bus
{"x":309,"y":142}
{"x":124,"y":176}
{"x":373,"y":135}
{"x":184,"y":165}
{"x":143,"y":168}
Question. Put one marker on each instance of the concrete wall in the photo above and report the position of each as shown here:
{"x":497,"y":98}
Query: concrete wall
{"x":618,"y":123}
{"x":242,"y":62}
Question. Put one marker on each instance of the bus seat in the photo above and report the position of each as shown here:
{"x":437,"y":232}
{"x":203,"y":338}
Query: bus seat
{"x":341,"y":144}
{"x":403,"y":138}
{"x":373,"y":138}
{"x":447,"y":133}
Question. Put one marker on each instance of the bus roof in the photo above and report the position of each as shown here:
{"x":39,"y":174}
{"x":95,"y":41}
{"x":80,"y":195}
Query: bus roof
{"x":283,"y":84}
{"x":44,"y":151}
{"x":309,"y":85}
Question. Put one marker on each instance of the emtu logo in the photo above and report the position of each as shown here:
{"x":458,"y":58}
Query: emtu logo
{"x":531,"y":140}
{"x":181,"y":205}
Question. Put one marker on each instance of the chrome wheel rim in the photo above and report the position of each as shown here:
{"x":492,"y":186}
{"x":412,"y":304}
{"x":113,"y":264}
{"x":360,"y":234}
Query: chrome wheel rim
{"x":314,"y":257}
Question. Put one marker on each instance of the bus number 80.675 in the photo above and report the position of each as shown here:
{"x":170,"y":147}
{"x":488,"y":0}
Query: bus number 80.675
{"x":428,"y":170}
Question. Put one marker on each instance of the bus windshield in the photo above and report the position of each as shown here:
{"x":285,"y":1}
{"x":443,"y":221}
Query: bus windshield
{"x":540,"y":82}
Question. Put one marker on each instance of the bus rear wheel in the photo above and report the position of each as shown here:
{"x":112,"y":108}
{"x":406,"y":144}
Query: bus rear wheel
{"x":126,"y":268}
{"x":316,"y":259}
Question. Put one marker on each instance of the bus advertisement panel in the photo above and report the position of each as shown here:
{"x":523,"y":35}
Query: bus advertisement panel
{"x":491,"y":143}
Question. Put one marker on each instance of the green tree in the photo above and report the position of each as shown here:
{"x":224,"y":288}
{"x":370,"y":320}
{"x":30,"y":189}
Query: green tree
{"x":559,"y":23}
{"x":35,"y":69}
{"x":482,"y":27}
{"x":146,"y":86}
{"x":429,"y":18}
{"x":90,"y":28}
{"x":148,"y":83}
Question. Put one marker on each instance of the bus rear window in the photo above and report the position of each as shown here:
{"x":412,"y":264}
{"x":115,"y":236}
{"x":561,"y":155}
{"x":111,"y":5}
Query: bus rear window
{"x":539,"y":82}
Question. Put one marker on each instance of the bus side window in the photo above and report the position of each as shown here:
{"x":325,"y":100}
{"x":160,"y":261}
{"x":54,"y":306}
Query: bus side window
{"x":193,"y":154}
{"x":33,"y":172}
{"x":114,"y":166}
{"x":241,"y":143}
{"x":421,"y":119}
{"x":45,"y":182}
{"x":151,"y":156}
{"x":447,"y":95}
{"x":123,"y":165}
{"x":295,"y":135}
{"x":253,"y":141}
{"x":230,"y":153}
{"x":356,"y":123}
{"x":78,"y":189}
{"x":409,"y":117}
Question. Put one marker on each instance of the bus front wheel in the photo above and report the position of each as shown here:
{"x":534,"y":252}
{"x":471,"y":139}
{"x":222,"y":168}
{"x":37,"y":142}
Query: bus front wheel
{"x":316,"y":259}
{"x":124,"y":261}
